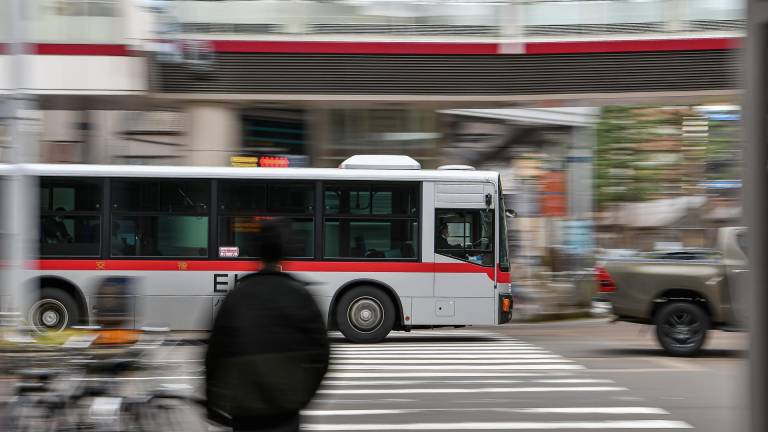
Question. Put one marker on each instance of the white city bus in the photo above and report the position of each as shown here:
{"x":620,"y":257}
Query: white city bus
{"x":383,"y":244}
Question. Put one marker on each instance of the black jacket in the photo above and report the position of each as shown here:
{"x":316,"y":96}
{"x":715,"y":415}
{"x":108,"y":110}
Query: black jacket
{"x":268,"y":349}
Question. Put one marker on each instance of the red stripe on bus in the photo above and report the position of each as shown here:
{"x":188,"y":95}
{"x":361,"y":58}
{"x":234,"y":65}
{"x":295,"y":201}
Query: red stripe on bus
{"x":353,"y":47}
{"x":502,"y":276}
{"x":247,"y":266}
{"x":475,"y":48}
{"x":82,"y":49}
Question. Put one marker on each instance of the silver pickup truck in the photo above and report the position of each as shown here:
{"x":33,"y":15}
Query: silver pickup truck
{"x":684,"y":293}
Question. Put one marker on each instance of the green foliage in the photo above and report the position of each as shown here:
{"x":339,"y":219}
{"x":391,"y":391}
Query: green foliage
{"x":641,"y":153}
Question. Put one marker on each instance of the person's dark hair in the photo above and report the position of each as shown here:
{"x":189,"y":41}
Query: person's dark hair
{"x":271,"y":241}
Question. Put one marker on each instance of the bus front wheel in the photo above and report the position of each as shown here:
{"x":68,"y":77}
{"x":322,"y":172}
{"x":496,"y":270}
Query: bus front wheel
{"x":54,"y":311}
{"x":365,"y":315}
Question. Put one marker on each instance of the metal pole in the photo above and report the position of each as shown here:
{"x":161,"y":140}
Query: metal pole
{"x":755,"y":209}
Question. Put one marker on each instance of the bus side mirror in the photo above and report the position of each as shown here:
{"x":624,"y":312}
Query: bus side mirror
{"x":511,"y":213}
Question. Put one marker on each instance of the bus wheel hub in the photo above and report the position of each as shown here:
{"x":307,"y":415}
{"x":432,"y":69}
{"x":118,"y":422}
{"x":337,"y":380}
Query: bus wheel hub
{"x":50,"y":318}
{"x":366,"y":314}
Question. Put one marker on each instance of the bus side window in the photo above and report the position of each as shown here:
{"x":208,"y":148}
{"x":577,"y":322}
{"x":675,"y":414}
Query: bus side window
{"x":370,"y":221}
{"x":70,"y":217}
{"x":160,"y":217}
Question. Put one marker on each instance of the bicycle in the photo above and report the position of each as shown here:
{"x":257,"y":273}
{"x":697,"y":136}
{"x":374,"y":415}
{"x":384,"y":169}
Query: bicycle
{"x":86,"y":395}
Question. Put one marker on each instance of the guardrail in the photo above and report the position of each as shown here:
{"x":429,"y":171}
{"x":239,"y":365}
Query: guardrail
{"x":100,"y":21}
{"x":478,"y":18}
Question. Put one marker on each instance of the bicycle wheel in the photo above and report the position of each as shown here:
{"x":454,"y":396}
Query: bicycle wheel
{"x":24,"y":415}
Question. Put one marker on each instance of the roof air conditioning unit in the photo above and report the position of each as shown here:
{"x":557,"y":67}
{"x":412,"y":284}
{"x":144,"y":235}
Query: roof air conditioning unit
{"x":456,"y":167}
{"x":380,"y":162}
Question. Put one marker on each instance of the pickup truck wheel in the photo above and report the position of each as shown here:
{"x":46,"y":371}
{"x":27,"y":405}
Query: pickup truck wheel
{"x":681,"y":328}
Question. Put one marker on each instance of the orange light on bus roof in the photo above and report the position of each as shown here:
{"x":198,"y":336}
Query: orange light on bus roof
{"x":274,"y":162}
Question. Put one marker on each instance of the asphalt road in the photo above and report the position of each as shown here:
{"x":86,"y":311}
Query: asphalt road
{"x":568,"y":375}
{"x":707,"y":391}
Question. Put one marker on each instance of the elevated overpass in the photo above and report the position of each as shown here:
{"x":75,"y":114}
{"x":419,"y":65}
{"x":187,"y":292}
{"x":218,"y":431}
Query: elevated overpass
{"x":457,"y":72}
{"x":443,"y":52}
{"x":300,"y":67}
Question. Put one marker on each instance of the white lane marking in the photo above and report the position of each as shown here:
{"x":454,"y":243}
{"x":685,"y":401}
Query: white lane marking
{"x":439,"y":345}
{"x":594,"y":410}
{"x":134,"y":378}
{"x":444,"y":356}
{"x":496,"y":367}
{"x":573,"y":381}
{"x":552,"y":425}
{"x":440,"y":351}
{"x":366,"y":361}
{"x":438,"y":374}
{"x":547,"y":410}
{"x":355,"y":412}
{"x":438,"y":348}
{"x":337,"y":401}
{"x":414,"y":382}
{"x":471,"y":390}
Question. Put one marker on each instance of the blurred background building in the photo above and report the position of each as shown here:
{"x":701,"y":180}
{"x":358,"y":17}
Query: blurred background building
{"x":611,"y":121}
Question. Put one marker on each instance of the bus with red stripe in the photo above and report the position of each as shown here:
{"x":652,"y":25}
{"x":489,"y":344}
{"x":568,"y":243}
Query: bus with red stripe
{"x":383,"y":244}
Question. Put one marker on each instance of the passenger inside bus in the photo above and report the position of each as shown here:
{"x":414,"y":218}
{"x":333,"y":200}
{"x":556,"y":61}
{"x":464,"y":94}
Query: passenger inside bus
{"x":120,"y":245}
{"x":54,"y":229}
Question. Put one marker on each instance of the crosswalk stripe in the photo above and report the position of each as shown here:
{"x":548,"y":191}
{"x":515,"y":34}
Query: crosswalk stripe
{"x":543,"y":425}
{"x":411,"y":382}
{"x":440,"y":351}
{"x":366,"y":361}
{"x":472,"y":390}
{"x":450,"y":356}
{"x":432,"y":346}
{"x":498,"y":367}
{"x":543,"y":410}
{"x":437,"y":344}
{"x":439,"y":374}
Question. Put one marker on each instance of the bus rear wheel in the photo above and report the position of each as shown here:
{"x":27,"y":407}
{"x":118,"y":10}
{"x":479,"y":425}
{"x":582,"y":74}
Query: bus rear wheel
{"x":54,"y":311}
{"x":365,"y":315}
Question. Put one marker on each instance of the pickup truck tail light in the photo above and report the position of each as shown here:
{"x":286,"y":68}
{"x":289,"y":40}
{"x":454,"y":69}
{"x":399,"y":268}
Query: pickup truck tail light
{"x":605,"y":283}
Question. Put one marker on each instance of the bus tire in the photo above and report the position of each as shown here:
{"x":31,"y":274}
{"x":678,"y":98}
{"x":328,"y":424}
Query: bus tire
{"x":365,"y":315}
{"x":55,"y":310}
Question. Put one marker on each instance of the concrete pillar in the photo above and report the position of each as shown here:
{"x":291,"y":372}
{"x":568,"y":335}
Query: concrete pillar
{"x":511,"y":19}
{"x":674,"y":15}
{"x":317,"y":134}
{"x":579,"y":229}
{"x":579,"y":168}
{"x":214,"y":134}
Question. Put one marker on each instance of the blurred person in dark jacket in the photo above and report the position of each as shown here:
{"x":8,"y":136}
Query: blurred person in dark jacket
{"x":268,"y":350}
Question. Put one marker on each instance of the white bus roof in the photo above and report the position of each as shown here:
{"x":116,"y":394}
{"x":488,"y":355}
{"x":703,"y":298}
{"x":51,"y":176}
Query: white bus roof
{"x":75,"y":170}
